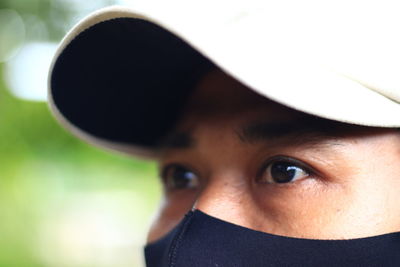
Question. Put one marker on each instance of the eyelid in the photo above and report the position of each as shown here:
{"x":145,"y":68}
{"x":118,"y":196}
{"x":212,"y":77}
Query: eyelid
{"x":305,"y":166}
{"x":164,"y":166}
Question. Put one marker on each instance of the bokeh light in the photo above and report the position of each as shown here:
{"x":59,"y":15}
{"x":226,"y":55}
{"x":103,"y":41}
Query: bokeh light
{"x":26,"y":74}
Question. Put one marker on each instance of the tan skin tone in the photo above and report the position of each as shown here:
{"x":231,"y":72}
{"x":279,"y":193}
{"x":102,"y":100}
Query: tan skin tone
{"x":337,"y":181}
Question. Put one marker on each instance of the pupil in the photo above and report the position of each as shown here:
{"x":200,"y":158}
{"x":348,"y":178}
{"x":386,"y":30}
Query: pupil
{"x":182,"y":178}
{"x":282,"y":172}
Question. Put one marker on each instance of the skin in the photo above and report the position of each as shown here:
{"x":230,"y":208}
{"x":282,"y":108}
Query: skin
{"x":347,"y":177}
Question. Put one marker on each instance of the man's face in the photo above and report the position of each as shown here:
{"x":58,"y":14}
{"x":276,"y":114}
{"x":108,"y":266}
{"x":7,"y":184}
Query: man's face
{"x":244,"y":159}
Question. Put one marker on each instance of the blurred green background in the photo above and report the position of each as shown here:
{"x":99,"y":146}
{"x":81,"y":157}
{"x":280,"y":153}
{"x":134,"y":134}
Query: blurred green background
{"x":62,"y":202}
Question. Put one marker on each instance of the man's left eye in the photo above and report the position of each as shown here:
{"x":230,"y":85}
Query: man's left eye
{"x":280,"y":171}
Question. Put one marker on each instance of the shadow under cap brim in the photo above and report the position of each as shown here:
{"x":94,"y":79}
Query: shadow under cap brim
{"x":120,"y":80}
{"x":124,"y":81}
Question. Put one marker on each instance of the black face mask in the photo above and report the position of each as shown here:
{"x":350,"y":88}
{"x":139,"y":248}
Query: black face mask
{"x":201,"y":241}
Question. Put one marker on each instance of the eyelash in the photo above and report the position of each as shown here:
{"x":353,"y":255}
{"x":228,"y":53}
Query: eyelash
{"x":288,"y":159}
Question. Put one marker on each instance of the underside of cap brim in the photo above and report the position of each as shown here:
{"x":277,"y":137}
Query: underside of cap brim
{"x":121,"y":83}
{"x":119,"y":79}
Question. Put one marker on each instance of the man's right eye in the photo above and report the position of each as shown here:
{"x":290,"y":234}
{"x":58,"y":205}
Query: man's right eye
{"x":177,"y":177}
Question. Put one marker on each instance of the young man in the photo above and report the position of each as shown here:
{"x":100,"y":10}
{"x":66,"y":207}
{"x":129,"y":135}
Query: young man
{"x":278,"y":144}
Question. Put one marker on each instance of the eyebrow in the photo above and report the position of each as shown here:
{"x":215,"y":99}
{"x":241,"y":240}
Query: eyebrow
{"x":260,"y":130}
{"x":308,"y":130}
{"x":304,"y":130}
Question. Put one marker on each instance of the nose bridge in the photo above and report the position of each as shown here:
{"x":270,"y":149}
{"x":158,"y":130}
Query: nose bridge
{"x":226,"y":196}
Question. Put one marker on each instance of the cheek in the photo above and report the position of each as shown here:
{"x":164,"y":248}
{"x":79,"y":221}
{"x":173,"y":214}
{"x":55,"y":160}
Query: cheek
{"x":172,"y":209}
{"x":322,"y":210}
{"x":309,"y":209}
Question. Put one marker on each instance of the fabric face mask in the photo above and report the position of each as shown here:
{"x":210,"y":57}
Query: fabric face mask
{"x":201,"y":240}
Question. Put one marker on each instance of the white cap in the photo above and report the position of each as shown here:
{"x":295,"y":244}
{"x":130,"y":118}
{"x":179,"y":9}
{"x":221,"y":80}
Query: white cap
{"x":120,"y":76}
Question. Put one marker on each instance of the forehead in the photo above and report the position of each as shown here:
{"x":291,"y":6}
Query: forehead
{"x":218,"y":93}
{"x":219,"y":97}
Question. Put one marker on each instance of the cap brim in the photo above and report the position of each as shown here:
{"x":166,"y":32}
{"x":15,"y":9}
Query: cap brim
{"x":120,"y":78}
